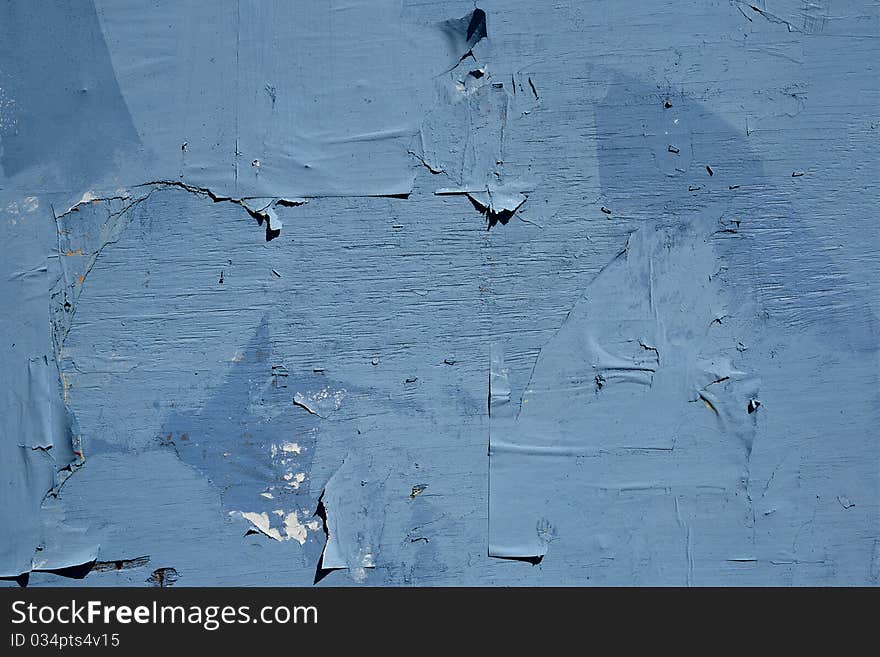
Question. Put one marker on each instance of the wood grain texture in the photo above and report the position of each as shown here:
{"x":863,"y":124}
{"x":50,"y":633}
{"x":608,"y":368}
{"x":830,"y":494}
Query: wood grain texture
{"x":189,"y":334}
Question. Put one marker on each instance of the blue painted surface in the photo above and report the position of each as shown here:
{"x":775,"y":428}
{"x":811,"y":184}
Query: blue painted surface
{"x":257,"y":331}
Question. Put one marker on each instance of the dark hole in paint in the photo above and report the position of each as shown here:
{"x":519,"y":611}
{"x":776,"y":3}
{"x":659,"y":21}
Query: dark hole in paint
{"x":21,"y":580}
{"x":532,"y":560}
{"x":493,"y":218}
{"x":477,"y":27}
{"x":163,"y":577}
{"x":320,"y":571}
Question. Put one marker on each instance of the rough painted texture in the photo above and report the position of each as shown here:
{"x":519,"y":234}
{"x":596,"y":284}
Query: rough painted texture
{"x":257,"y":331}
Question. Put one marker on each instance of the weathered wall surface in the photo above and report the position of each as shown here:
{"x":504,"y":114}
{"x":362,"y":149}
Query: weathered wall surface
{"x":415,"y":293}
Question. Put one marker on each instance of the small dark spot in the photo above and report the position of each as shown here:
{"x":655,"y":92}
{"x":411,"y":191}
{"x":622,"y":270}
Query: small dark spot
{"x":412,"y":379}
{"x":709,"y":170}
{"x":754,"y":404}
{"x":667,"y":104}
{"x":448,"y":361}
{"x":221,"y":277}
{"x":605,"y":210}
{"x":417,"y":490}
{"x":797,"y":174}
{"x":672,"y":149}
{"x":477,"y":73}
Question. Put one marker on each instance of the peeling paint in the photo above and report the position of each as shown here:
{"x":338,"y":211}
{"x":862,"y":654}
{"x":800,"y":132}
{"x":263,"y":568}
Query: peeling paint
{"x":663,"y":372}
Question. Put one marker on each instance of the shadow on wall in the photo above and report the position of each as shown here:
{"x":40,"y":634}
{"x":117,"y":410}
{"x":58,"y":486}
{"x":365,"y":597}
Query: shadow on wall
{"x":666,"y":157}
{"x":67,"y":109}
{"x":255,"y":446}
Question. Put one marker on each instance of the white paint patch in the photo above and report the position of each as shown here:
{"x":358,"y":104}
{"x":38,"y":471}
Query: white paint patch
{"x":260,"y":521}
{"x":321,"y":403}
{"x":7,"y":111}
{"x":294,"y":529}
{"x":291,"y":448}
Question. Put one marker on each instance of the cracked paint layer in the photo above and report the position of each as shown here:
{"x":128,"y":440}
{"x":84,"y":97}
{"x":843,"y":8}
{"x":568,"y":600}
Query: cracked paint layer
{"x":609,"y":403}
{"x":668,"y":341}
{"x":349,"y":523}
